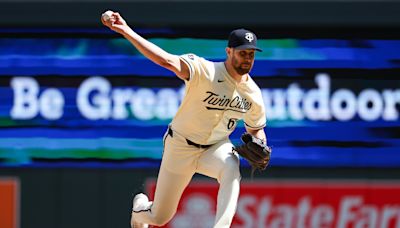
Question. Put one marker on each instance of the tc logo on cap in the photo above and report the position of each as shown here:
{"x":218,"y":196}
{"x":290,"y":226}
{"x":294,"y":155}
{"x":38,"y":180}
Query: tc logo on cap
{"x":249,"y":36}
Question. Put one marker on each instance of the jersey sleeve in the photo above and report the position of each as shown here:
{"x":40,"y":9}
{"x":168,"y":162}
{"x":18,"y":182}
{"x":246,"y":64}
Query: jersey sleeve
{"x":196,"y":66}
{"x":192,"y":61}
{"x":256,"y":118}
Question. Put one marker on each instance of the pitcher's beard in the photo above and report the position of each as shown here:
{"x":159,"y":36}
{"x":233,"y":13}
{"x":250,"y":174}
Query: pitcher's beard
{"x":242,"y":71}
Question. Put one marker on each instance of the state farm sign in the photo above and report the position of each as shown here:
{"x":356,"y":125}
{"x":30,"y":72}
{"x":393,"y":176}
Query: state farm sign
{"x":295,"y":204}
{"x":319,"y":204}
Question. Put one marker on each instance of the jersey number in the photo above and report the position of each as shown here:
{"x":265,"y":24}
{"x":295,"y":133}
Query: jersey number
{"x":231,"y":123}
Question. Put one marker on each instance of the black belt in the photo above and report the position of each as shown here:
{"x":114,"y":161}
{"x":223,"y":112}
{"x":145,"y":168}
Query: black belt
{"x":171,"y":133}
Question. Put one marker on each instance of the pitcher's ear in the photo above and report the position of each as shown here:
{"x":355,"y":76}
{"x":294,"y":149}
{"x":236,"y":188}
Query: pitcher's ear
{"x":228,"y":51}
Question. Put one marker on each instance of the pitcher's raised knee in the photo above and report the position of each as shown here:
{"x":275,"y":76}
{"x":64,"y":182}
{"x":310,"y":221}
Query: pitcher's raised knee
{"x":231,"y":169}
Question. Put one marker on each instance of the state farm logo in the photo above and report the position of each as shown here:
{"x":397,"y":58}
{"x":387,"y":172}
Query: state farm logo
{"x":351,"y":211}
{"x":197,"y":212}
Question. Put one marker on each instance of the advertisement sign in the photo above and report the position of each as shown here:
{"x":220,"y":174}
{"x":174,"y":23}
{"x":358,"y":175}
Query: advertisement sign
{"x":88,"y":102}
{"x":294,"y":204}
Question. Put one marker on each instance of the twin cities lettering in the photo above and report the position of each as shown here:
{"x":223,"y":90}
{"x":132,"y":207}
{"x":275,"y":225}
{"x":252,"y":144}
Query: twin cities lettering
{"x":221,"y":102}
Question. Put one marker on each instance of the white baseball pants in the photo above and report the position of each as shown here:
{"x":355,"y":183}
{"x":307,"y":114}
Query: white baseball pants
{"x":179,"y":163}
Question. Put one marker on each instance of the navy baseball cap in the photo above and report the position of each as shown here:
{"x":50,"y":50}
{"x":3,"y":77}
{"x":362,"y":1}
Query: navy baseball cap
{"x":243,"y":39}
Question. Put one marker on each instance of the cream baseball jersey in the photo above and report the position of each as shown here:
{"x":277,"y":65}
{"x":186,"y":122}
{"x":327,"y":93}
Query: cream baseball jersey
{"x":214,"y":102}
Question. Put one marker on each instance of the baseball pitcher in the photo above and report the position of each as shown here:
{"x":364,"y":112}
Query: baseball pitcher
{"x":217,"y":95}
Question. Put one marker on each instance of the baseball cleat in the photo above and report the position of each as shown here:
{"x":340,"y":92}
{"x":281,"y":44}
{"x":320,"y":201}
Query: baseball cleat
{"x":140,"y":203}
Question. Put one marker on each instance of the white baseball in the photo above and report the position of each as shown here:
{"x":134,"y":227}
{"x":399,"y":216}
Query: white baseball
{"x":107,"y":15}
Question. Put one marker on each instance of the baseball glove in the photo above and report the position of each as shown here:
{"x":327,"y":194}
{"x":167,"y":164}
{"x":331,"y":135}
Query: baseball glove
{"x":254,"y":151}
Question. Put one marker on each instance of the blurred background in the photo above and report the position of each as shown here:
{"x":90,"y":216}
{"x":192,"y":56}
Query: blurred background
{"x":82,"y":113}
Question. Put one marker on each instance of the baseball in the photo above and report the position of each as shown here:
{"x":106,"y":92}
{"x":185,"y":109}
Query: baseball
{"x":107,"y":15}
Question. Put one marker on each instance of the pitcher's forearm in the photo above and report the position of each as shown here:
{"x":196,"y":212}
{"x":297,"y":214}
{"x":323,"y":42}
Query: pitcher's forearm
{"x":116,"y":22}
{"x":147,"y":48}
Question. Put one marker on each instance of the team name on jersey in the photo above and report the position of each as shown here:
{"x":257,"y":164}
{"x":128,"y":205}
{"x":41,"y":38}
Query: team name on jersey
{"x":221,"y":102}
